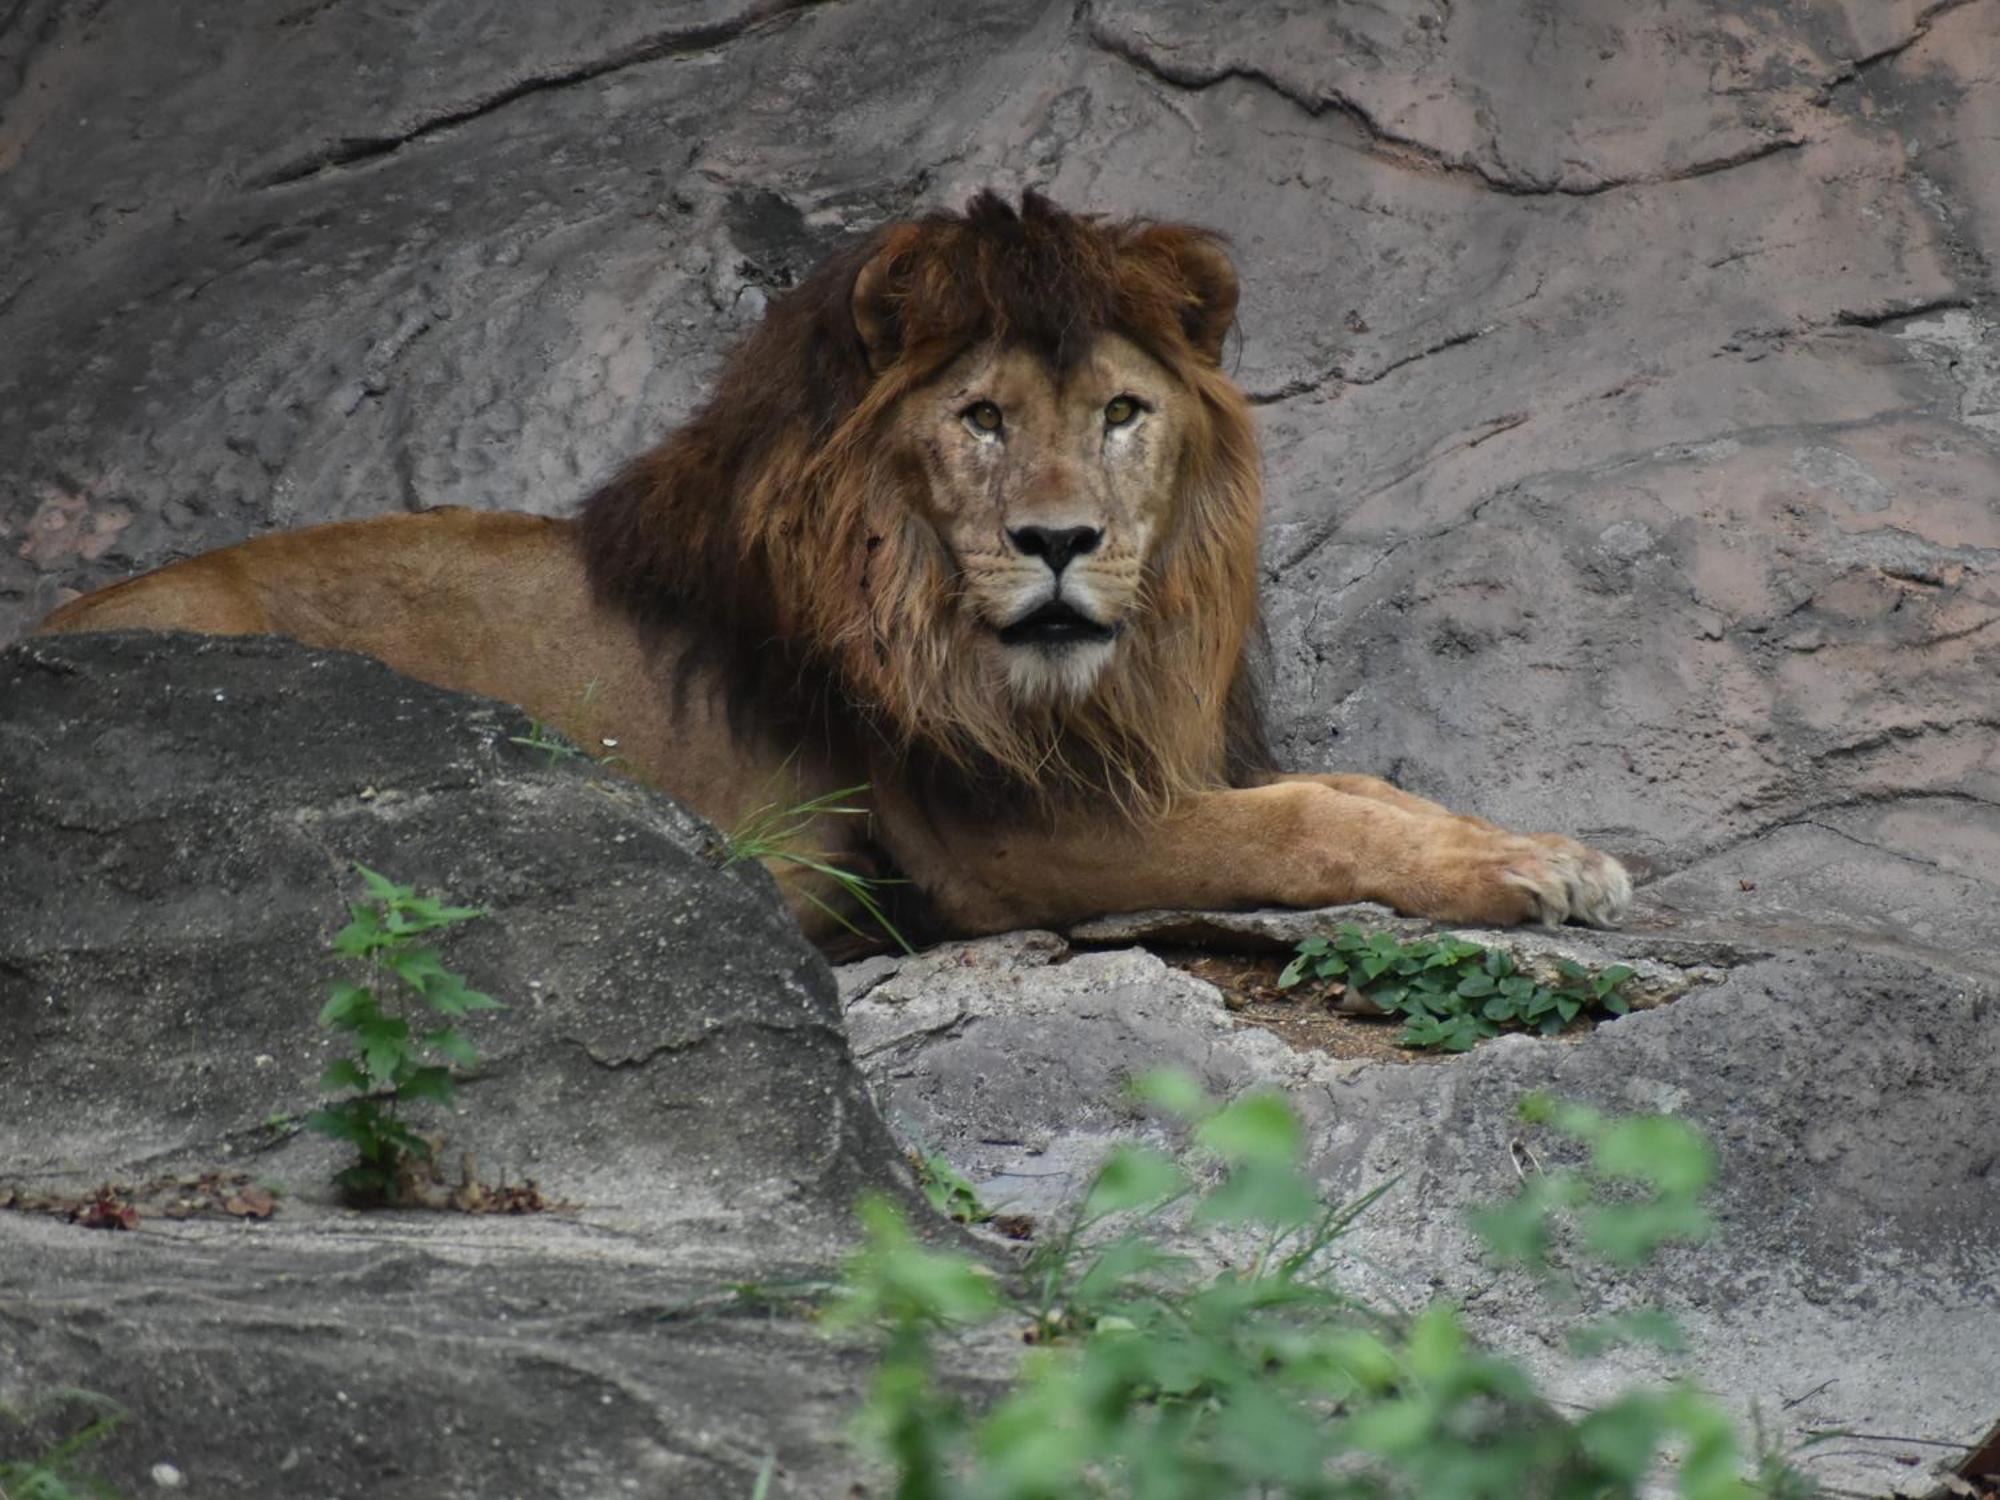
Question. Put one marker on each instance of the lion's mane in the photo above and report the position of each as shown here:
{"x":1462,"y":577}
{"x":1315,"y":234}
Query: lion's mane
{"x":777,"y":532}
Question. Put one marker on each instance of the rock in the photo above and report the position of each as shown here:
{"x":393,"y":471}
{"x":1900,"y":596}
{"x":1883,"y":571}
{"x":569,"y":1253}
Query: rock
{"x":1627,"y":386}
{"x":179,"y":820}
{"x":1853,"y":1281}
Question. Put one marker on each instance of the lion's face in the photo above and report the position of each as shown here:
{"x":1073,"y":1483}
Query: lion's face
{"x":1050,"y":490}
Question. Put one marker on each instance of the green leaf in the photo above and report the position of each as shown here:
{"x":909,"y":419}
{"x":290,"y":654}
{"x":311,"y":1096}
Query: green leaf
{"x":1422,"y":1031}
{"x":1642,"y":1325}
{"x":1125,"y":1260}
{"x":1392,"y":1428}
{"x":1292,"y":973}
{"x":1623,"y":1437}
{"x":384,"y":888}
{"x":1473,"y":986}
{"x":1132,"y":1177}
{"x":1259,"y":1126}
{"x":1461,"y":1034}
{"x":431,"y":1084}
{"x":451,"y":1045}
{"x":1172,"y":1090}
{"x":419,"y":968}
{"x":342,"y":1073}
{"x":347,"y":1003}
{"x":338,"y":1123}
{"x":1616,"y":1004}
{"x":1628,"y":1234}
{"x":1670,"y":1154}
{"x":362,"y":936}
{"x":385,"y":1047}
{"x":1261,"y":1192}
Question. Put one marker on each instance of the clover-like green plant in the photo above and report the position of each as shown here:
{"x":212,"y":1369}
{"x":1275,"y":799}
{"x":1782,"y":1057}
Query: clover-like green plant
{"x":395,"y":1062}
{"x":1452,"y":993}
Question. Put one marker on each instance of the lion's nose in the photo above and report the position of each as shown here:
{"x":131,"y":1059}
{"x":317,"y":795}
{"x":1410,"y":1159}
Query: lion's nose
{"x":1056,"y":545}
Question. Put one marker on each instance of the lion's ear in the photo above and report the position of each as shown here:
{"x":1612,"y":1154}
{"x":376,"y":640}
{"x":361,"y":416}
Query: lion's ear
{"x":1208,"y":280}
{"x":873,"y":304}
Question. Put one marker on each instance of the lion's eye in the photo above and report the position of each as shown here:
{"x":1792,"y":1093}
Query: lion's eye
{"x":982,"y":416}
{"x":1121,"y":410}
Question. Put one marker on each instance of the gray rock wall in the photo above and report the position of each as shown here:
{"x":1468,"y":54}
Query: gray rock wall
{"x":1629,"y":379}
{"x":1630,"y":387}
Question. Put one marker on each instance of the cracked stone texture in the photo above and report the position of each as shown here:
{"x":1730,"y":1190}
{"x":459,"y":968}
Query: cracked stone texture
{"x":1629,"y":383}
{"x":178,"y":820}
{"x":1629,"y":379}
{"x":1854,"y":1281}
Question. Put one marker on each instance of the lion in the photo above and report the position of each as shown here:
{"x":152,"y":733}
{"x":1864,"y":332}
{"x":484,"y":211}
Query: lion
{"x":970,"y":522}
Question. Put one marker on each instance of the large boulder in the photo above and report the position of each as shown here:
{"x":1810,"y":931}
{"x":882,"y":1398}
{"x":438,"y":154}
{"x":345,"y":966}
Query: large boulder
{"x":1853,"y":1282}
{"x":179,"y":825}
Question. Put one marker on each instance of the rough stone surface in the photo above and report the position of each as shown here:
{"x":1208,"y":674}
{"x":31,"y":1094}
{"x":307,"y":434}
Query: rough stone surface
{"x":1630,"y":387}
{"x":178,"y":821}
{"x":1854,"y":1281}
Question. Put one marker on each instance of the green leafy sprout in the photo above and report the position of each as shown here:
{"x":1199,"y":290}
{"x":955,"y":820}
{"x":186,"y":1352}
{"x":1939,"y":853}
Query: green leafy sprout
{"x":550,"y":743}
{"x":949,"y":1192}
{"x":55,"y":1474}
{"x":774,"y":831}
{"x":395,"y":1062}
{"x":1452,"y":993}
{"x":545,"y":740}
{"x":1150,"y":1380}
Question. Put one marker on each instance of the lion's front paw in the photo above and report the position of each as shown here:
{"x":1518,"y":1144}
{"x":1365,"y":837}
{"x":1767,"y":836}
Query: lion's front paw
{"x":1576,"y":882}
{"x":1502,"y":878}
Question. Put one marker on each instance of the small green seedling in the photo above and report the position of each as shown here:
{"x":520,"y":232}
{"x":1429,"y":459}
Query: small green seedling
{"x":54,"y":1475}
{"x":1452,"y":993}
{"x":949,"y":1193}
{"x":548,"y":742}
{"x":555,"y":747}
{"x":773,"y":831}
{"x":394,"y":1063}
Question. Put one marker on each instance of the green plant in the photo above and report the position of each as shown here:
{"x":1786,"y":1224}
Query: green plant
{"x":548,"y":742}
{"x":1154,"y":1381}
{"x":948,"y":1192}
{"x":1639,"y":1189}
{"x":394,"y":1062}
{"x":1452,"y":993}
{"x":773,"y":831}
{"x":555,"y":747}
{"x":54,"y":1475}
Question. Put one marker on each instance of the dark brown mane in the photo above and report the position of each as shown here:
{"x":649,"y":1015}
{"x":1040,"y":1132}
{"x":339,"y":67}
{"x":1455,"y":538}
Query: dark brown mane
{"x":740,"y":532}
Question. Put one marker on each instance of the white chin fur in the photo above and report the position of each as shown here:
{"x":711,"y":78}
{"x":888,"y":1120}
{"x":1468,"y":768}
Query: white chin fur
{"x":1067,"y":671}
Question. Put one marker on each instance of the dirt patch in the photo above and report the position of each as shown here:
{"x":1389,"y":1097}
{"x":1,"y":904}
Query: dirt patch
{"x":1308,"y":1016}
{"x":1303,"y":1017}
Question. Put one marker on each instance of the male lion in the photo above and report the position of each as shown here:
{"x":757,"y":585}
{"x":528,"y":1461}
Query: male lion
{"x":972,"y":519}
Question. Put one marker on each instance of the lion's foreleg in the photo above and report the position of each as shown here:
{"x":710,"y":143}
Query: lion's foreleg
{"x":1287,"y":843}
{"x":1601,"y":890}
